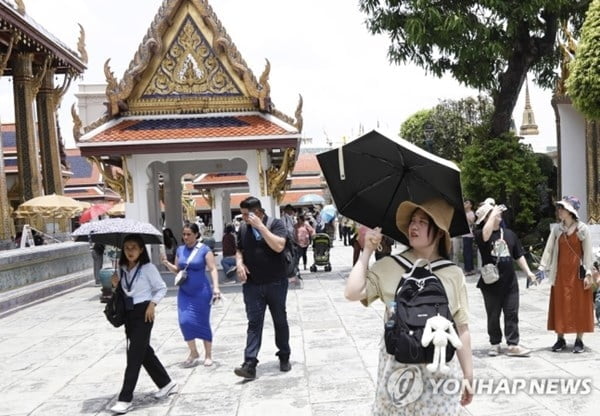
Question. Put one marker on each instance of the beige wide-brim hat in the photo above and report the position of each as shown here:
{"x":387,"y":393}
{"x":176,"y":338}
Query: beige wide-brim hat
{"x":438,"y":209}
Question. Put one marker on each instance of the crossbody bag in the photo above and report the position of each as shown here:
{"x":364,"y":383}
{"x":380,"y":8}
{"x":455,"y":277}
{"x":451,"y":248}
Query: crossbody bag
{"x":181,"y":276}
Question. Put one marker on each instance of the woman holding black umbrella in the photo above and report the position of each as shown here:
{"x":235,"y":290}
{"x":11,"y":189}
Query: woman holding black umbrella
{"x":426,"y":227}
{"x":144,"y":288}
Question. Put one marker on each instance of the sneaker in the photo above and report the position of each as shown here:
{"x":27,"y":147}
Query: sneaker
{"x":517,"y":351}
{"x":494,"y":350}
{"x":285,"y":365}
{"x":247,"y":370}
{"x":121,"y":408}
{"x":578,"y":347}
{"x":166,"y":390}
{"x":559,"y":345}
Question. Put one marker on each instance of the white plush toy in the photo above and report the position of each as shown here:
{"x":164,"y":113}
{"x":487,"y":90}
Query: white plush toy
{"x":439,"y":330}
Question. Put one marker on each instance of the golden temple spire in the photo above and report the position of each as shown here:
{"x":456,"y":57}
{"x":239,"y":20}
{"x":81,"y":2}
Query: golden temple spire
{"x":528,"y":126}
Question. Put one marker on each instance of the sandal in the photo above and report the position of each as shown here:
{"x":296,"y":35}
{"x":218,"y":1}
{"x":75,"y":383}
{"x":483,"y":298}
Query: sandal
{"x":208,"y":362}
{"x":190,"y":362}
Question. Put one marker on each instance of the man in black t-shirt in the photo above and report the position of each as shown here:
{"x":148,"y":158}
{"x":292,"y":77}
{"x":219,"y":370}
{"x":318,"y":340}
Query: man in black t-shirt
{"x":262,"y":270}
{"x":500,"y":246}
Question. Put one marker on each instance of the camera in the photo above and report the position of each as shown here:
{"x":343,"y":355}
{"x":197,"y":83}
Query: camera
{"x":502,"y":207}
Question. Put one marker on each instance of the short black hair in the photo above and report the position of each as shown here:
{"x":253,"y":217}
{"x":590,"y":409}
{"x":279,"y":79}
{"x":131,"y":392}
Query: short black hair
{"x":251,"y":203}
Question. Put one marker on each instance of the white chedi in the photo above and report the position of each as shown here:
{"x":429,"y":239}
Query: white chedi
{"x":438,"y":330}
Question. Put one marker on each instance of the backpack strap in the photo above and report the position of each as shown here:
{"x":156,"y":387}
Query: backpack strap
{"x":409,"y":265}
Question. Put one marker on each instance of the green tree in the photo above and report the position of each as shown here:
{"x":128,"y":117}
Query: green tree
{"x":490,"y":45}
{"x":583,"y":84}
{"x":455,"y":124}
{"x":507,"y":171}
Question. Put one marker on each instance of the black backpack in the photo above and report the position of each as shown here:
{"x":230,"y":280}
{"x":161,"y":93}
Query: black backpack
{"x":290,"y":251}
{"x":419,"y":296}
{"x":115,"y":307}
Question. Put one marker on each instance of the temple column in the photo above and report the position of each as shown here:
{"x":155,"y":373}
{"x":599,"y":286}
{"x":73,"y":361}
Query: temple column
{"x":173,"y":206}
{"x":27,"y":146}
{"x":49,"y":146}
{"x":5,"y":219}
{"x":217,"y":213}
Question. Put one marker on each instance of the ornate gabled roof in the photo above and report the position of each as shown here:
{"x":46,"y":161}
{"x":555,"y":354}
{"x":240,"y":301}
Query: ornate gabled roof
{"x":23,"y":34}
{"x":187,"y":64}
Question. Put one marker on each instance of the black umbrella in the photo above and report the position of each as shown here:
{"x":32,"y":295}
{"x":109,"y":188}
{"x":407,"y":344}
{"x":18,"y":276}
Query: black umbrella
{"x":112,"y":231}
{"x":369,"y":177}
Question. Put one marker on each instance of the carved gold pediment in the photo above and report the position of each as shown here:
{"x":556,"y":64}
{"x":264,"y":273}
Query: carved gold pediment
{"x":190,"y":67}
{"x":187,"y":63}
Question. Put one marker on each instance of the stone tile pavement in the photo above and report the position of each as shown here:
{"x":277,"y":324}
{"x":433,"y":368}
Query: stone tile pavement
{"x":61,"y":357}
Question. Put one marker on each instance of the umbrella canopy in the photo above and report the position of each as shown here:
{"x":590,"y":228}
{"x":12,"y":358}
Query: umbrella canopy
{"x":55,"y":206}
{"x":112,"y":231}
{"x":94,"y":211}
{"x":370,"y":176}
{"x":311,"y":199}
{"x":328,"y":213}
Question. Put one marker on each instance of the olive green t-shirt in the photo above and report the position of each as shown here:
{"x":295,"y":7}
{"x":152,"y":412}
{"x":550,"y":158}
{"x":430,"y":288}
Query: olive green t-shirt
{"x":384,"y":275}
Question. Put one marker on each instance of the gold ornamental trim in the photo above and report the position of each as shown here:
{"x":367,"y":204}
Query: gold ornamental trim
{"x":277,"y":175}
{"x":592,"y":139}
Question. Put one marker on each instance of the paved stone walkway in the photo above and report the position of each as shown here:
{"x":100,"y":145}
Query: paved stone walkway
{"x":61,"y":357}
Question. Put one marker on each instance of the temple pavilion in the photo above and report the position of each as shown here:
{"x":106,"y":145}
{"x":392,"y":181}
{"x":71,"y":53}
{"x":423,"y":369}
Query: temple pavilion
{"x":189,"y":107}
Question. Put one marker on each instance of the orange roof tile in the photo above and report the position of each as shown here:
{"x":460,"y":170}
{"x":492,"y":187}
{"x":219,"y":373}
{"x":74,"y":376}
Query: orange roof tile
{"x":199,"y":127}
{"x":306,"y":181}
{"x":307,"y":162}
{"x":215,"y":178}
{"x":291,"y":197}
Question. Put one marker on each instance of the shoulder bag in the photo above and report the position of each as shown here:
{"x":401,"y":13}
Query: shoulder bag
{"x":489,"y":272}
{"x":115,"y":307}
{"x":181,"y":276}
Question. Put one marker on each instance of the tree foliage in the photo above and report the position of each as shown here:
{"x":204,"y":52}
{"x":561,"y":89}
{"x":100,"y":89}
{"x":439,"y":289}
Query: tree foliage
{"x":583,"y":84}
{"x":456,"y":123}
{"x":507,"y":171}
{"x":490,"y":45}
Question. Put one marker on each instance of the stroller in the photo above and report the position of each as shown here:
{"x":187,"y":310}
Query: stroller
{"x":321,"y":246}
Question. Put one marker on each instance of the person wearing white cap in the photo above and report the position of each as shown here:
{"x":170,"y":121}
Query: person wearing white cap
{"x":500,"y":246}
{"x":568,"y":262}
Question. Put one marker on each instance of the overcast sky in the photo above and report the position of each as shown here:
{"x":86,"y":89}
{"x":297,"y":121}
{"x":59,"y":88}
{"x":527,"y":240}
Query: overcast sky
{"x":320,"y":49}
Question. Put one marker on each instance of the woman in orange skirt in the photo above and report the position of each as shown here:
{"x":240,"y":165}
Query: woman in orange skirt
{"x":569,"y":248}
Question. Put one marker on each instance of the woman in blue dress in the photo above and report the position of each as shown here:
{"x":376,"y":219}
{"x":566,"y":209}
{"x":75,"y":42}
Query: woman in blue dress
{"x":195,"y":296}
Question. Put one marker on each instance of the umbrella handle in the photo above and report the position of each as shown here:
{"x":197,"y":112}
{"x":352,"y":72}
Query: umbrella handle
{"x":341,"y":163}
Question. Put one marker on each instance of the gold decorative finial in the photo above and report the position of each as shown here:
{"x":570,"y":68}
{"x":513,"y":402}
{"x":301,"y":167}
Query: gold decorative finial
{"x":77,"y":124}
{"x":264,"y":98}
{"x":20,"y":6}
{"x":299,"y":120}
{"x":81,"y":45}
